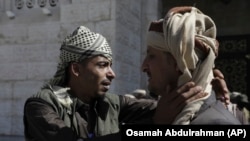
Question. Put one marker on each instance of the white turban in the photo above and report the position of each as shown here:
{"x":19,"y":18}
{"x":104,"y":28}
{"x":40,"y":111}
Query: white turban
{"x":190,"y":36}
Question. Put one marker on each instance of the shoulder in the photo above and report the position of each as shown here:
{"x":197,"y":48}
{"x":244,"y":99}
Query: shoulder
{"x":44,"y":94}
{"x":112,"y":99}
{"x":220,"y":115}
{"x":56,"y":96}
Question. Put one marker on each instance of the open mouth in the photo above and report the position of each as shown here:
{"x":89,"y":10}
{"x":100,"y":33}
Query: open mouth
{"x":149,"y":76}
{"x":105,"y":88}
{"x":106,"y":85}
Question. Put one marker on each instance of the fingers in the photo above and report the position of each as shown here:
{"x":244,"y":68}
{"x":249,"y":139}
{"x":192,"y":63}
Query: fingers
{"x":186,"y":87}
{"x":219,"y":85}
{"x":220,"y":88}
{"x":224,"y":100}
{"x":190,"y":95}
{"x":189,"y":90}
{"x":172,"y":102}
{"x":186,"y":94}
{"x":196,"y":96}
{"x":218,"y":73}
{"x":174,"y":93}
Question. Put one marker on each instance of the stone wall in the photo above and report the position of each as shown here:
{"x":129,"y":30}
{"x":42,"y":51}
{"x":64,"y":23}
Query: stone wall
{"x":30,"y":43}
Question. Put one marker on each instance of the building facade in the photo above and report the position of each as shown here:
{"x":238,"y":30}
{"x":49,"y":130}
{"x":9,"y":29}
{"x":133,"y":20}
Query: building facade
{"x":31,"y":32}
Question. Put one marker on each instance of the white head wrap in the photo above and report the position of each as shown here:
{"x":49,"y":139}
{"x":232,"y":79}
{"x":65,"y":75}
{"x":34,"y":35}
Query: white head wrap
{"x":76,"y":47}
{"x":189,"y":36}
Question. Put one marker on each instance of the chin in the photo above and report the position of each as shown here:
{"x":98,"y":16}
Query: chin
{"x":152,"y":90}
{"x":101,"y":94}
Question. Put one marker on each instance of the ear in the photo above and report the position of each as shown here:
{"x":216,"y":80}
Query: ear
{"x":75,"y":69}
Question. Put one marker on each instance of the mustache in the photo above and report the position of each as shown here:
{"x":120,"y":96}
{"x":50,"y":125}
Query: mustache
{"x":106,"y":81}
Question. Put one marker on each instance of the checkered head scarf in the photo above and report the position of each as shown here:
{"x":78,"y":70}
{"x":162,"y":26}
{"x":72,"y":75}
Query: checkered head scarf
{"x":190,"y":36}
{"x":80,"y":45}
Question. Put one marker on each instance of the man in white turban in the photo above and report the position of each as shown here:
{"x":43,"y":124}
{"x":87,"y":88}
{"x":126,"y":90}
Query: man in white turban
{"x":182,"y":47}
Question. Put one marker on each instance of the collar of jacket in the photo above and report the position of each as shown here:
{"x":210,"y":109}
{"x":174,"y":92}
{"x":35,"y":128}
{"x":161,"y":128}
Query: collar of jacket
{"x":63,"y":97}
{"x":100,"y":105}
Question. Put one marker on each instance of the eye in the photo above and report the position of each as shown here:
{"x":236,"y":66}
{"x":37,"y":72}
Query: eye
{"x":103,"y":64}
{"x":150,"y":56}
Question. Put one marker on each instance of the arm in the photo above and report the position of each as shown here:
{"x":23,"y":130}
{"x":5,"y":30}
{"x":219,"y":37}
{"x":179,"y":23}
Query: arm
{"x":164,"y":111}
{"x":43,"y":123}
{"x":133,"y":110}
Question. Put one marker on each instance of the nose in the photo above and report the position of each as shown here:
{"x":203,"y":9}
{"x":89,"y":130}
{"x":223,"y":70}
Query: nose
{"x":144,"y":66}
{"x":111,"y":73}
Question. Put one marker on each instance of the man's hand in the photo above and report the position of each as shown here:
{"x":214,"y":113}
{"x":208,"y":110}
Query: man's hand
{"x":171,"y":103}
{"x":220,"y":87}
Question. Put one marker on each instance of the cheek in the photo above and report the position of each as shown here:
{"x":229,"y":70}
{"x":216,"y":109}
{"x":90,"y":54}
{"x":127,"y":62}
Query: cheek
{"x":97,"y":77}
{"x":159,"y":75}
{"x":94,"y":78}
{"x":88,"y":78}
{"x":166,"y":72}
{"x":164,"y":77}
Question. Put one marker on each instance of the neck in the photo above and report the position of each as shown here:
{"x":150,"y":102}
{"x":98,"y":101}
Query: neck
{"x":169,"y":88}
{"x":76,"y":91}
